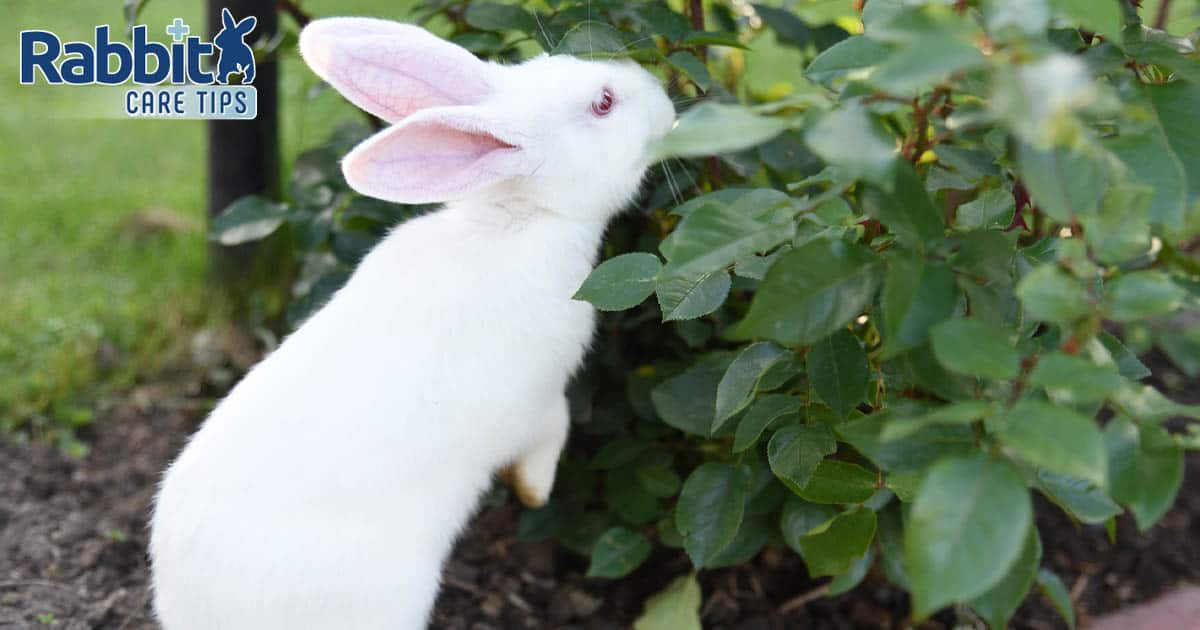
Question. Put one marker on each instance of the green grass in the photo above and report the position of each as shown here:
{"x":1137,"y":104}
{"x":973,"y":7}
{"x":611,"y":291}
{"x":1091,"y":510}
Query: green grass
{"x":78,"y":270}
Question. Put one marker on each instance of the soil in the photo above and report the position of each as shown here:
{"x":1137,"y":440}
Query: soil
{"x":72,"y":540}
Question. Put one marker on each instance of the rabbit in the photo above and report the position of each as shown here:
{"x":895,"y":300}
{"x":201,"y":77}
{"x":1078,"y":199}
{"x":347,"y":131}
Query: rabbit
{"x":236,"y":56}
{"x":327,"y":489}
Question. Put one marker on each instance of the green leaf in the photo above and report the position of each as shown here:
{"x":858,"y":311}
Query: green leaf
{"x":1072,"y":380}
{"x":907,"y":209}
{"x":752,"y":536}
{"x":1054,"y":590}
{"x":1064,"y":183}
{"x":687,"y":401}
{"x":1120,"y":231}
{"x":835,"y":545}
{"x":966,"y":529}
{"x":710,"y":507}
{"x":851,"y":57}
{"x":1080,"y":498}
{"x":713,"y":236}
{"x":618,"y":552}
{"x":712,"y":129}
{"x":250,"y":218}
{"x":914,"y":67}
{"x":795,"y":451}
{"x":676,"y":607}
{"x":1175,"y":104}
{"x":1100,"y":16}
{"x":1147,"y":405}
{"x":958,"y":413}
{"x":689,"y":297}
{"x":590,"y":38}
{"x":799,"y":518}
{"x":1145,"y":468}
{"x":850,"y":580}
{"x":917,"y":448}
{"x":997,"y":605}
{"x":1140,"y":295}
{"x":489,"y":16}
{"x":1128,"y":364}
{"x":810,"y":292}
{"x":1055,"y":438}
{"x":1050,"y":294}
{"x":850,"y":139}
{"x":789,"y":29}
{"x":740,"y":382}
{"x":970,"y":347}
{"x":838,"y":371}
{"x":621,"y":282}
{"x":836,"y":481}
{"x":916,"y":295}
{"x":992,"y":209}
{"x":693,"y":68}
{"x":764,"y":412}
{"x":1148,"y":155}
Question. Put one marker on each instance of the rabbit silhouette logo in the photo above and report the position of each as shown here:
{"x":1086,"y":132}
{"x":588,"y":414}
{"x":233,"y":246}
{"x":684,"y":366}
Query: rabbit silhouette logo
{"x":236,"y":56}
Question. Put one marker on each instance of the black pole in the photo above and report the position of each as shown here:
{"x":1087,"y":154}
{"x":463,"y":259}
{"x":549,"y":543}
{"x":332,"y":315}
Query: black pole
{"x":243,"y":155}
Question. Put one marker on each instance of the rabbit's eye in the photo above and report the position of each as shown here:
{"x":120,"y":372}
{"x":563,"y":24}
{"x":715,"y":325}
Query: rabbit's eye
{"x":603,"y":104}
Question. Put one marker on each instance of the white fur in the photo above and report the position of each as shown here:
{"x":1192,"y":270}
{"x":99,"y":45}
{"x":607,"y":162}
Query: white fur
{"x":326,"y":490}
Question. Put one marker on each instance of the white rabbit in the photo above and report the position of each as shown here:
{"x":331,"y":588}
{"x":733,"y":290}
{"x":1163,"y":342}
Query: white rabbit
{"x":327,"y":489}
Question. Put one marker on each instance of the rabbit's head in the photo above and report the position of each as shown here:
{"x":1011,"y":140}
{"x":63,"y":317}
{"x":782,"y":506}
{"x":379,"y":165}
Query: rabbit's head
{"x":233,"y":32}
{"x":558,"y":133}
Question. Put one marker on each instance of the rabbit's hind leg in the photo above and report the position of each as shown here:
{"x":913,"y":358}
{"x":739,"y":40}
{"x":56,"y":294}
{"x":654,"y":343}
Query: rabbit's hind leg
{"x":531,"y":476}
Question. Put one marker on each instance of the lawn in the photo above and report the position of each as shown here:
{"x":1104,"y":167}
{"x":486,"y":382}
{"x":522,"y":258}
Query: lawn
{"x":102,"y":246}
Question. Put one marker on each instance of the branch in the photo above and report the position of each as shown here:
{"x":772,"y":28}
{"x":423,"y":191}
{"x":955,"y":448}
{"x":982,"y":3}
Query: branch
{"x":1164,"y":11}
{"x":294,"y":11}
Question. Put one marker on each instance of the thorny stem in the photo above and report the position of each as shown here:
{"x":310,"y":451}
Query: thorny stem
{"x":696,"y":13}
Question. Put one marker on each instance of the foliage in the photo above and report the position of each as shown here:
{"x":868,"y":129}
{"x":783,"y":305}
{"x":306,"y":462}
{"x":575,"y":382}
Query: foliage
{"x":885,"y":312}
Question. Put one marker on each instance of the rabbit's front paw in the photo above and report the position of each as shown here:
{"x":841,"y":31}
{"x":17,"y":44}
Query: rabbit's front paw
{"x":533,"y":491}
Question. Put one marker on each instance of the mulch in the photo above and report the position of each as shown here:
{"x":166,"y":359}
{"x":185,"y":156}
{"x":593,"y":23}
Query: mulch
{"x":73,"y":535}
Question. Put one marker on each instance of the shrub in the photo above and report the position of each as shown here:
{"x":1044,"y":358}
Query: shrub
{"x":885,"y":311}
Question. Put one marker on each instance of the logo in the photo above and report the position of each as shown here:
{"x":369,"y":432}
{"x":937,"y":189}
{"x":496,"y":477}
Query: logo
{"x":190,"y":78}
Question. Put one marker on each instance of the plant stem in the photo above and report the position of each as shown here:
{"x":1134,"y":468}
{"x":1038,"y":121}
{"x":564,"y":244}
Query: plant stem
{"x":1164,"y":11}
{"x":294,"y":11}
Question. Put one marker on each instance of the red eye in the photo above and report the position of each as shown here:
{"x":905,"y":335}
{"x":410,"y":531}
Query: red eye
{"x":603,"y":105}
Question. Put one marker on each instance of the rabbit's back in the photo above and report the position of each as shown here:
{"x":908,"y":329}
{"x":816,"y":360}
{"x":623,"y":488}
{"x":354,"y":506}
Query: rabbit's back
{"x":374,"y":427}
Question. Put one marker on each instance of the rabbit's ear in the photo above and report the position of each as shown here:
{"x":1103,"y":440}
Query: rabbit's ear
{"x":246,"y":25}
{"x":227,"y":20}
{"x":438,"y":155}
{"x":392,"y":70}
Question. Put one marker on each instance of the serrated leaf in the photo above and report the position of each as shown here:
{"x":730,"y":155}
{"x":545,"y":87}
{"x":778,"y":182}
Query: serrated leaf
{"x":849,"y":57}
{"x":835,"y":546}
{"x":970,"y":347}
{"x":713,"y":236}
{"x":835,"y":481}
{"x":1145,"y":468}
{"x":839,"y":372}
{"x":1055,"y":438}
{"x":917,"y":294}
{"x":676,"y":607}
{"x":810,"y":292}
{"x":490,"y":16}
{"x":589,"y":39}
{"x":1056,"y":592}
{"x":794,"y":452}
{"x":764,"y":412}
{"x":738,"y":385}
{"x":1078,"y":497}
{"x":1073,"y":379}
{"x":693,"y":68}
{"x":713,"y":129}
{"x":687,"y":401}
{"x":966,"y":529}
{"x":1050,"y":294}
{"x":997,"y":605}
{"x":689,"y":297}
{"x":618,"y":552}
{"x":1140,"y":295}
{"x":247,"y":219}
{"x":850,"y":139}
{"x":710,"y":509}
{"x":621,"y":282}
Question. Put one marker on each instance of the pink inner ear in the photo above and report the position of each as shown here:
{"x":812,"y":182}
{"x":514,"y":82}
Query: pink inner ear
{"x":392,"y":70}
{"x":423,"y":162}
